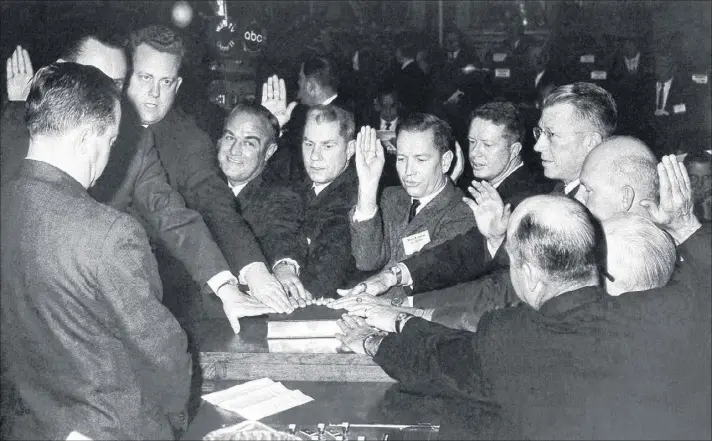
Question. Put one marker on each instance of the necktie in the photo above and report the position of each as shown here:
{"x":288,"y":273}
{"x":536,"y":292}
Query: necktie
{"x":388,"y":125}
{"x":414,"y":206}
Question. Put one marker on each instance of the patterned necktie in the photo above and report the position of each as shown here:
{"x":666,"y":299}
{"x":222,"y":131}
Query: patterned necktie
{"x":414,"y":206}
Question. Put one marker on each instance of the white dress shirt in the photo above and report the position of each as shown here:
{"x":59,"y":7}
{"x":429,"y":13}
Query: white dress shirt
{"x":393,"y":124}
{"x":660,"y":103}
{"x":632,"y":63}
{"x":330,"y":99}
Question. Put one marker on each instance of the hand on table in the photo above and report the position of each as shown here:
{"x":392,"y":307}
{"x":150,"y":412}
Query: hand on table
{"x":267,"y":289}
{"x":274,"y":99}
{"x":19,"y":75}
{"x":675,"y":212}
{"x":237,"y":304}
{"x":373,"y":286}
{"x":354,"y":331}
{"x":287,"y":276}
{"x":359,"y":304}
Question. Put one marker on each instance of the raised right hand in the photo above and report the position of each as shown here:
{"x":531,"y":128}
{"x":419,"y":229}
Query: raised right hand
{"x":19,"y":75}
{"x":274,"y":99}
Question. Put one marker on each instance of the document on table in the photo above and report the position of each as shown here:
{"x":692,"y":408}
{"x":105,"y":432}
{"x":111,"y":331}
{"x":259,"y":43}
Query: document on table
{"x":302,"y":328}
{"x":257,"y":399}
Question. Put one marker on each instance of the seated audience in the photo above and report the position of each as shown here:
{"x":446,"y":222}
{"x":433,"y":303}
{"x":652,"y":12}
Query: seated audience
{"x":426,"y":210}
{"x":609,"y":374}
{"x":91,"y":347}
{"x":329,"y":193}
{"x":274,"y":213}
{"x":188,"y":156}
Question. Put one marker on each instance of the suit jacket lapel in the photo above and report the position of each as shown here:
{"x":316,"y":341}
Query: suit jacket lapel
{"x":441,"y":201}
{"x":246,"y":196}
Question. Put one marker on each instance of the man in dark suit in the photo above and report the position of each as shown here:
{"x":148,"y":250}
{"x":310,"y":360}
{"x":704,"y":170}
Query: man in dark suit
{"x":188,"y":156}
{"x":134,"y":181}
{"x":573,"y":362}
{"x":426,"y":210}
{"x":408,"y":79}
{"x":329,"y":193}
{"x":79,"y":282}
{"x":274,"y":213}
{"x":318,"y":85}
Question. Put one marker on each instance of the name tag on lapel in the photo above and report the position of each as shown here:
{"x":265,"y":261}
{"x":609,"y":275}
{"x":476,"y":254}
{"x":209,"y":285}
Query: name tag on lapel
{"x":501,"y":73}
{"x":499,"y":57}
{"x":599,"y":74}
{"x":414,"y":243}
{"x":587,"y":59}
{"x":679,"y":108}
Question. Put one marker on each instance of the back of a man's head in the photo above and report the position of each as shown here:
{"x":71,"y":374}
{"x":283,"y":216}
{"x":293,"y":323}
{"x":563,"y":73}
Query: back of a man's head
{"x":427,"y":123}
{"x":591,"y":103}
{"x":64,"y":96}
{"x":640,"y":256}
{"x":105,"y":33}
{"x":322,"y":72}
{"x":557,"y":238}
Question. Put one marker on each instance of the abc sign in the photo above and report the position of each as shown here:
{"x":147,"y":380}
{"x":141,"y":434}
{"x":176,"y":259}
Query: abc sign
{"x":253,"y":38}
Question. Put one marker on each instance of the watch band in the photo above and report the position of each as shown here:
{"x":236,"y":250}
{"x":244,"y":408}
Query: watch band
{"x":371,"y":343}
{"x":231,"y":281}
{"x":396,"y":271}
{"x":401,"y":318}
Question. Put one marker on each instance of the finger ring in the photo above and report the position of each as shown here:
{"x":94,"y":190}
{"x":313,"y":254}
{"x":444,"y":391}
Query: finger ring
{"x":362,"y":285}
{"x":358,"y":300}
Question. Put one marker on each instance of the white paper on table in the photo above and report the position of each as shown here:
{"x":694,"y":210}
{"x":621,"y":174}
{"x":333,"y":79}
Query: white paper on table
{"x":237,"y":391}
{"x":302,"y":328}
{"x":274,"y":405}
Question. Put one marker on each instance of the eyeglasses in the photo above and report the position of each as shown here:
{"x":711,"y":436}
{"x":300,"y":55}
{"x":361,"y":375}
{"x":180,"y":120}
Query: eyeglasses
{"x":538,"y":131}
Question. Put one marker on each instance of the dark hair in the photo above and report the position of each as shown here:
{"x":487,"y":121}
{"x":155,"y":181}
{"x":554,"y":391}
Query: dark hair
{"x":564,"y":248}
{"x":321,"y":70}
{"x":387,"y":88}
{"x":502,"y":114}
{"x":160,"y":38}
{"x":423,"y":122}
{"x":591,"y":102}
{"x":406,"y":44}
{"x":327,"y":113}
{"x":269,"y":120}
{"x":108,"y":34}
{"x":68,"y":95}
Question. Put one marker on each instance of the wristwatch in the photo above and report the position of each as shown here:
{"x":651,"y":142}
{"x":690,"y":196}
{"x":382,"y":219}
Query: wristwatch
{"x":372,"y":342}
{"x":231,"y":281}
{"x":401,"y":318}
{"x":396,"y":271}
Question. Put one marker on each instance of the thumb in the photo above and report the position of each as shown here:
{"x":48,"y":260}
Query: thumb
{"x":235,"y":324}
{"x":290,"y":108}
{"x":470,"y":203}
{"x":343,"y":292}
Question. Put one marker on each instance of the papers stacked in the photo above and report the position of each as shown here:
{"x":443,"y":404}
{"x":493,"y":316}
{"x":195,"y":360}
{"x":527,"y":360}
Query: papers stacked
{"x":303,"y":336}
{"x":257,"y":399}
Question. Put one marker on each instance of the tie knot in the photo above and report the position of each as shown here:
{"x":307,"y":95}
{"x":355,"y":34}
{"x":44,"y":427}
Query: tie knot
{"x":388,"y":125}
{"x":413,"y":207}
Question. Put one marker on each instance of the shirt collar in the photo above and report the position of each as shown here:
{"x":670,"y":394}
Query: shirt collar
{"x":330,"y":99}
{"x":502,"y":178}
{"x":406,"y":63}
{"x":394,"y":123}
{"x":236,"y":189}
{"x":571,"y":185}
{"x":427,"y":199}
{"x":318,"y":188}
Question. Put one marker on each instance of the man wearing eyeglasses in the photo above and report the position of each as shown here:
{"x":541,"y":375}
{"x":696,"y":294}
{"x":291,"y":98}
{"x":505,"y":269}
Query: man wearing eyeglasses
{"x":575,"y":118}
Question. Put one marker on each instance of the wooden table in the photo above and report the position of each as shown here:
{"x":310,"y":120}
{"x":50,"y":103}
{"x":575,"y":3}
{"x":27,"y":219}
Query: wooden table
{"x":345,"y":386}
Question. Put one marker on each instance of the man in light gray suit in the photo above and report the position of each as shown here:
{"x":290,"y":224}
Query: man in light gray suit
{"x":87,"y":345}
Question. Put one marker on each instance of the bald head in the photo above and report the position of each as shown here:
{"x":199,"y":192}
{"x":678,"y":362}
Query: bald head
{"x":551,"y":242}
{"x":618,"y":174}
{"x":640,"y":255}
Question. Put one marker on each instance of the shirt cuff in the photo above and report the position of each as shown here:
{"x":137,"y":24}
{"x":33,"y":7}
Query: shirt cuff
{"x":219,"y":280}
{"x":406,"y":278}
{"x":289,"y":261}
{"x":361,"y":217}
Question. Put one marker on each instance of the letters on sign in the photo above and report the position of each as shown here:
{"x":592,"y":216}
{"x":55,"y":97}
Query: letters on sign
{"x":699,"y":78}
{"x":499,"y":57}
{"x":587,"y":59}
{"x":599,"y":74}
{"x":501,"y":73}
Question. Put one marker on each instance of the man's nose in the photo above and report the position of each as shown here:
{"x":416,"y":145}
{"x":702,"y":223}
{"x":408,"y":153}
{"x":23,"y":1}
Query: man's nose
{"x":155,"y":90}
{"x":315,"y":154}
{"x":235,"y":149}
{"x":540,"y":143}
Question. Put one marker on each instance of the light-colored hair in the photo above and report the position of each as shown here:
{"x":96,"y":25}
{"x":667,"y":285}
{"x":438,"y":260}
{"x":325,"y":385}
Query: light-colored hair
{"x":331,"y":113}
{"x":592,"y":104}
{"x":160,"y":38}
{"x":640,"y":255}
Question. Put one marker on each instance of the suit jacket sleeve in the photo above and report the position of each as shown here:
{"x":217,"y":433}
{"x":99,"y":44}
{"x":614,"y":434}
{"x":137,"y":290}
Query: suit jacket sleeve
{"x":458,"y":260}
{"x":180,"y":228}
{"x":369,"y":244}
{"x":697,"y":254}
{"x":430,"y":358}
{"x":284,"y":214}
{"x":205,"y":192}
{"x":330,"y":257}
{"x":127,"y":276}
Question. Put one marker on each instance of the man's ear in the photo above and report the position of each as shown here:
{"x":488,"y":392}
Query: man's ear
{"x":531,"y":276}
{"x":628,"y":198}
{"x":446,"y":161}
{"x":179,"y":81}
{"x":593,"y":139}
{"x":350,"y":148}
{"x":515,"y":149}
{"x":311,"y":87}
{"x":270,"y":151}
{"x":85,"y":136}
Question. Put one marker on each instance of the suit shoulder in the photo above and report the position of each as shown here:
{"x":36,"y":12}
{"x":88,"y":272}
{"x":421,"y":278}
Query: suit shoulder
{"x":394,"y":194}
